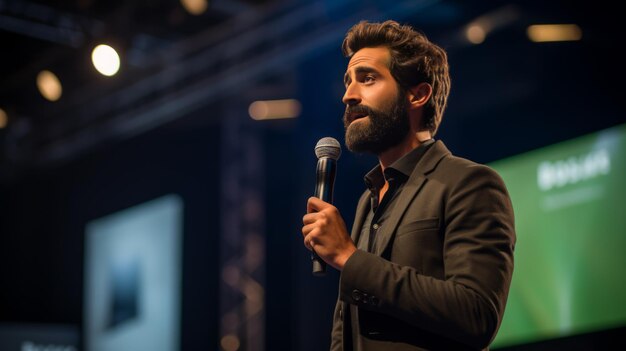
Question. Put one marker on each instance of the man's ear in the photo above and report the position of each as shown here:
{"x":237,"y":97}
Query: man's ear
{"x":419,"y":95}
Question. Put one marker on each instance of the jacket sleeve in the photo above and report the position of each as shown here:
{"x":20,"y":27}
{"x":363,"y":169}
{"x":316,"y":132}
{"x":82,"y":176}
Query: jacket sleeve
{"x":478,"y":242}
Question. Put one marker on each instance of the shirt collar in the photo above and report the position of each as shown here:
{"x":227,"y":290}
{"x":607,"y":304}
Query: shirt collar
{"x":400,"y":170}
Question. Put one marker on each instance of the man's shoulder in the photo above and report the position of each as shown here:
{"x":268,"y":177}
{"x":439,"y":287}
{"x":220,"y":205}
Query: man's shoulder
{"x":460,"y":162}
{"x":458,"y":167}
{"x":449,"y":160}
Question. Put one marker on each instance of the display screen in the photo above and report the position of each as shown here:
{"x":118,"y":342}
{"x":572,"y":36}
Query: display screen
{"x":570,"y":221}
{"x":132,"y":278}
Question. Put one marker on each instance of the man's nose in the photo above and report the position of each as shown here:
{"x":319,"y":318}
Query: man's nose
{"x":351,"y":96}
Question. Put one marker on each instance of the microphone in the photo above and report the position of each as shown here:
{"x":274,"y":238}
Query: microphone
{"x":327,"y":151}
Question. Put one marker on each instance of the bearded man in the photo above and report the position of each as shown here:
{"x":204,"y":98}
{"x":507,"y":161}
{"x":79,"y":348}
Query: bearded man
{"x":429,"y":260}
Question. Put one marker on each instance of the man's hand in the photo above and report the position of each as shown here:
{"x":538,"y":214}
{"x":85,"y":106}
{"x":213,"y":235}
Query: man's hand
{"x":325,"y":232}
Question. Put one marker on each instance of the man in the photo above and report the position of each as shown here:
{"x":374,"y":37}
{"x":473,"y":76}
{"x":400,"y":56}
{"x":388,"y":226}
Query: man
{"x":429,"y":262}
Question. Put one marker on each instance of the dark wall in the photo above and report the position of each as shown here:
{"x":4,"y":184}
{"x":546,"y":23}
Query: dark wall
{"x":44,"y":215}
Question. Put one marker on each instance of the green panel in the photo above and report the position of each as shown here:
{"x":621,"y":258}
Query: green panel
{"x":570,"y":257}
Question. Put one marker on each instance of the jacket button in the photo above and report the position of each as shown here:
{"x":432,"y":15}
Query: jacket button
{"x":356,"y":295}
{"x":365,"y":298}
{"x":374,"y":300}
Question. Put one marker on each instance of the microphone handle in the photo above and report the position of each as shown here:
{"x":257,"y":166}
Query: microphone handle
{"x":325,"y":172}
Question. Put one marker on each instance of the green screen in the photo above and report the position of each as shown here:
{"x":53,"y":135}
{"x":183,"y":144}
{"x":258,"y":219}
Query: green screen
{"x":570,"y":258}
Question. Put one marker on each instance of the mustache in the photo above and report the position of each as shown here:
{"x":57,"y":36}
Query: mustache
{"x":357,"y":109}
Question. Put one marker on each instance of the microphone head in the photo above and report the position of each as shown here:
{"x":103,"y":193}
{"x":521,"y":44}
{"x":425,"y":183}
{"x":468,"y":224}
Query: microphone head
{"x":328,"y":147}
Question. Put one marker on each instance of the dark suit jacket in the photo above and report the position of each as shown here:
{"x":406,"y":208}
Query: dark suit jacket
{"x":440,"y":270}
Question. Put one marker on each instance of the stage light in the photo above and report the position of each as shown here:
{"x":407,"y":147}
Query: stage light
{"x":230,"y":343}
{"x":554,"y":32}
{"x":274,"y":109}
{"x":49,"y":85}
{"x":4,"y":119}
{"x":475,"y":34}
{"x":105,"y":59}
{"x":477,"y":31}
{"x":195,"y":7}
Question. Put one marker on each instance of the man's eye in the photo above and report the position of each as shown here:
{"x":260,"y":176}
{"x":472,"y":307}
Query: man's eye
{"x":368,"y":79}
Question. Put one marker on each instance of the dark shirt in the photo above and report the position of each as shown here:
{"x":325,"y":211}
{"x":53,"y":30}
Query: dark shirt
{"x":396,"y":174}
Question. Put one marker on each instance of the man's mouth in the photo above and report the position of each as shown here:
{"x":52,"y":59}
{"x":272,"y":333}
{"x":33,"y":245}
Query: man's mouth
{"x":356,"y":115}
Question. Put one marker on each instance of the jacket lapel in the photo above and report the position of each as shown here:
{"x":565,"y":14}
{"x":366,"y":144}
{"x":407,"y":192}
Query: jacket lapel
{"x":361,"y":213}
{"x":415,"y":182}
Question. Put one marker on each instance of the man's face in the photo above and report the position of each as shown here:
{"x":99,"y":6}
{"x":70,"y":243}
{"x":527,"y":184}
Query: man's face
{"x":376,"y":116}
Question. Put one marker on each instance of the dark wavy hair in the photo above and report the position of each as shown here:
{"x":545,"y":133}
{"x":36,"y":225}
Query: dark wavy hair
{"x":414,"y":59}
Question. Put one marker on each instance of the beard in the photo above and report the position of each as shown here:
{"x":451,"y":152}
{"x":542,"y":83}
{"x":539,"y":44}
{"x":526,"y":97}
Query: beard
{"x":386,"y":128}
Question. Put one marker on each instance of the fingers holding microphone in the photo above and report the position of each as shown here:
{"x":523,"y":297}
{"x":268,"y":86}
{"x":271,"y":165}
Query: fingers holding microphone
{"x":309,"y":244}
{"x":307,"y":238}
{"x":324,"y":231}
{"x":312,"y":225}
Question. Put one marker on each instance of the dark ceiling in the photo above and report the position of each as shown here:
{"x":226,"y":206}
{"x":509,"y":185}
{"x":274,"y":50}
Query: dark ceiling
{"x":59,"y":35}
{"x":168,"y":56}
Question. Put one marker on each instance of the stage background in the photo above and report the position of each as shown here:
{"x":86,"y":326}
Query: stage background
{"x":510,"y":98}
